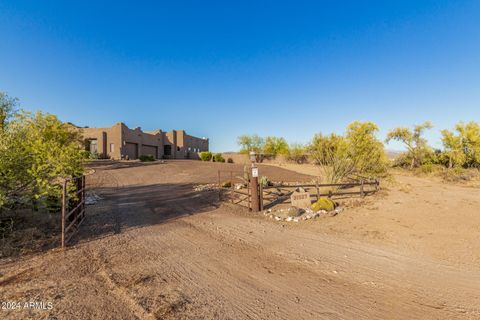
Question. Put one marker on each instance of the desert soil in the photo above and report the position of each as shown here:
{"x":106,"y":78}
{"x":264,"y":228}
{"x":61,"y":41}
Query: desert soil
{"x":155,"y":249}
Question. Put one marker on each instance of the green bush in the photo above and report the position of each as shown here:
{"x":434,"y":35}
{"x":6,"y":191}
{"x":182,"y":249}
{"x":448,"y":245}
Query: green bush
{"x":323,"y":204}
{"x":230,"y":160}
{"x":265,"y":182}
{"x":426,"y":168}
{"x":36,"y":152}
{"x":218,"y":158}
{"x":226,"y":184}
{"x":146,"y":158}
{"x":206,"y":156}
{"x":297,"y":153}
{"x":429,"y":168}
{"x":275,"y":146}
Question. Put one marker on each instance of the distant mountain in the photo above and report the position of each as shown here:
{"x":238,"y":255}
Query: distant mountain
{"x":393,"y":154}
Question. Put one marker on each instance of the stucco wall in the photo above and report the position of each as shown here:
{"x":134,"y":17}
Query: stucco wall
{"x":112,"y":141}
{"x":109,"y":140}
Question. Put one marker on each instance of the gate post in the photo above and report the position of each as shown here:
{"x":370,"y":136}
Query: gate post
{"x":254,"y":184}
{"x":254,"y":192}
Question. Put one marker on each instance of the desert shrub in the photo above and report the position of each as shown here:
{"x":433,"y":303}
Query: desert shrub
{"x":92,"y":155}
{"x":265,"y":182}
{"x":218,"y":158}
{"x":206,"y":156}
{"x":458,"y":174}
{"x":146,"y":158}
{"x":403,"y":160}
{"x":296,"y":153}
{"x":417,"y":146}
{"x":226,"y":184}
{"x":324,"y":204}
{"x":230,"y":160}
{"x":436,"y":157}
{"x":429,"y":168}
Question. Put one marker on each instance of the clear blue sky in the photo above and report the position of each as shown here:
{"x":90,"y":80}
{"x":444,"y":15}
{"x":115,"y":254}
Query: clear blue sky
{"x":224,"y":68}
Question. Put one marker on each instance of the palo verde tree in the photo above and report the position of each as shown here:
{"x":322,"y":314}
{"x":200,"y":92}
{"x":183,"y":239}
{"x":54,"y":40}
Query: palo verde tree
{"x":249,"y":143}
{"x":462,"y":147}
{"x":365,"y":149}
{"x":36,"y":152}
{"x":416,"y":144}
{"x":274,"y":146}
{"x":357,"y":153}
{"x":330,"y":152}
{"x":297,"y":153}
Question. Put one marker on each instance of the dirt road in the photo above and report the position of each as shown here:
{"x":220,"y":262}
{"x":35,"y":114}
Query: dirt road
{"x":155,"y":249}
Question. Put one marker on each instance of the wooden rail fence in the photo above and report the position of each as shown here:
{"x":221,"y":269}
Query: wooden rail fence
{"x":272,"y":195}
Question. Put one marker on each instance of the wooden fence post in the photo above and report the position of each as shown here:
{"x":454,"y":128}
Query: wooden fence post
{"x":219,"y":188}
{"x":84,"y":186}
{"x":248,"y":197}
{"x":261,"y":196}
{"x":231,"y":185}
{"x":64,"y":211}
{"x":318,"y":189}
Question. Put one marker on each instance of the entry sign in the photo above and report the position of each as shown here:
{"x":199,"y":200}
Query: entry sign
{"x":300,"y":199}
{"x":255,"y":172}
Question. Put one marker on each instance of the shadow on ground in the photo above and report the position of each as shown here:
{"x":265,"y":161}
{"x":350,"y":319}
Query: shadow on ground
{"x":124,"y":208}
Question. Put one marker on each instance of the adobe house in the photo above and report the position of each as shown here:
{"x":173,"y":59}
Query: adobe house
{"x":121,"y":142}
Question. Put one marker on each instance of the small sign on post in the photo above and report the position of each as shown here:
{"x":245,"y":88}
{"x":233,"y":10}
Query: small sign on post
{"x":301,"y":199}
{"x":254,"y":189}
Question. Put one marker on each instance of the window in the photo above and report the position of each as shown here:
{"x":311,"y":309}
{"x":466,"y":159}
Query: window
{"x":178,"y":148}
{"x":167,"y":150}
{"x":112,"y":147}
{"x":93,"y":146}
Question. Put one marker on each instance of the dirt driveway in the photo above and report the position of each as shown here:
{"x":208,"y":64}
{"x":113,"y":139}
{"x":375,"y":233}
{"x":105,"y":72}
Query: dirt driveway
{"x":155,"y":249}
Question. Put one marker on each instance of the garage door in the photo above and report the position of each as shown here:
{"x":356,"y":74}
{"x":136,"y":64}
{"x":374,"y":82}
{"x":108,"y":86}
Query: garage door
{"x":152,"y":150}
{"x":131,"y":150}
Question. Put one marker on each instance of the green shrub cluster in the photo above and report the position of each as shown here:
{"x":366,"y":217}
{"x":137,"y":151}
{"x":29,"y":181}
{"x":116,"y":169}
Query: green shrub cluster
{"x":206,"y":156}
{"x":461,"y":147}
{"x":265,"y":182}
{"x":146,"y":158}
{"x":218,"y":158}
{"x":323,"y":204}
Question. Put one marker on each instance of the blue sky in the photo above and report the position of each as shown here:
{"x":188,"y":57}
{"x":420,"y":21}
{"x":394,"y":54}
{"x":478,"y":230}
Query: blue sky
{"x":224,"y":68}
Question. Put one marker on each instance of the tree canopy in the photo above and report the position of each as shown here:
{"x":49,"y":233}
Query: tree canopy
{"x":417,"y":146}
